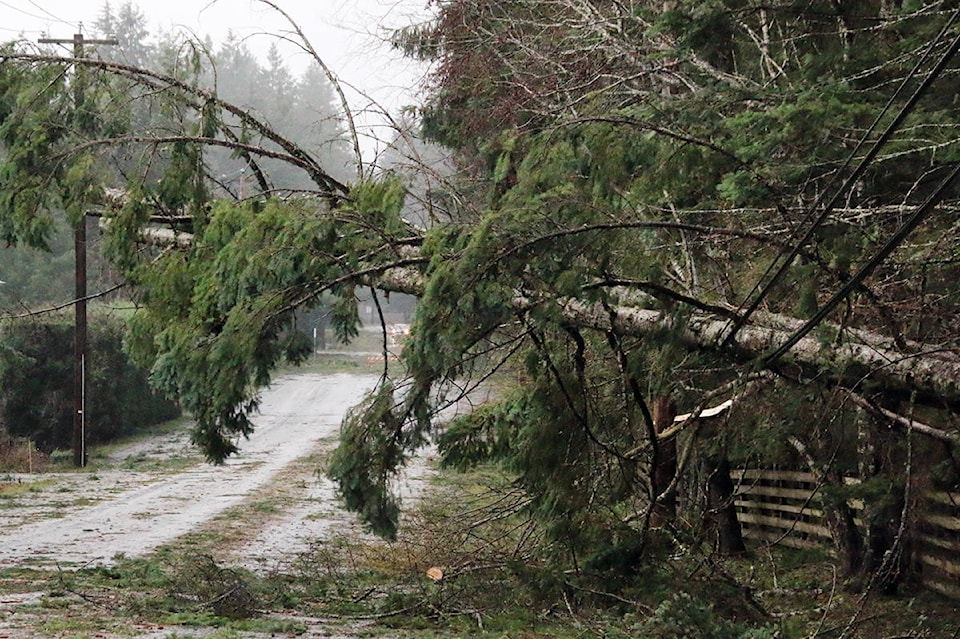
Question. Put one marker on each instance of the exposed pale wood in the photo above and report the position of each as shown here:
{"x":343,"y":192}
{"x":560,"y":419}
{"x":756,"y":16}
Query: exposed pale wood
{"x":709,"y":412}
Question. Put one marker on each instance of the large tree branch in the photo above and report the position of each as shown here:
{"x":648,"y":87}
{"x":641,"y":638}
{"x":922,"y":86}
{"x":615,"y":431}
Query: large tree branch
{"x":151,"y":140}
{"x":854,"y":358}
{"x":202,"y":97}
{"x":903,"y":421}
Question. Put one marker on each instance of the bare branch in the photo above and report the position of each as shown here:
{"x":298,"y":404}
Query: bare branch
{"x":902,"y":420}
{"x":203,"y":96}
{"x":305,"y":44}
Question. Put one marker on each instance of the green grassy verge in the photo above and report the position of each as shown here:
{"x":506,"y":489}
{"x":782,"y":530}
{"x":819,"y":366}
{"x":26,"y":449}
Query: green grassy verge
{"x":468,"y":563}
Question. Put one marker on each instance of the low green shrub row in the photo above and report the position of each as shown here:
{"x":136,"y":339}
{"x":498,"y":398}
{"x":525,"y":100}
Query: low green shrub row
{"x":36,"y":383}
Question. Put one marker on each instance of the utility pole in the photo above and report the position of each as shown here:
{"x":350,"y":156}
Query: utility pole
{"x":80,"y":275}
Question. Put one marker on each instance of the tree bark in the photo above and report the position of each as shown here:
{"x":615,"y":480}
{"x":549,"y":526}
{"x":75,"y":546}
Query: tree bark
{"x":846,"y":538}
{"x":838,"y":516}
{"x":665,"y":510}
{"x":721,"y":512}
{"x":863,"y":357}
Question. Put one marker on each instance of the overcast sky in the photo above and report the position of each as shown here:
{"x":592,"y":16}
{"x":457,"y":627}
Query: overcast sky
{"x":348,"y":34}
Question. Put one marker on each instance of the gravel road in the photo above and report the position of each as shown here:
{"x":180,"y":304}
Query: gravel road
{"x":133,"y":513}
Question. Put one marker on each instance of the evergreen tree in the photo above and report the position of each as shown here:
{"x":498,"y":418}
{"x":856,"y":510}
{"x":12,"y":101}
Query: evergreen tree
{"x":660,"y":205}
{"x":128,"y":25}
{"x":687,"y":157}
{"x":318,"y":119}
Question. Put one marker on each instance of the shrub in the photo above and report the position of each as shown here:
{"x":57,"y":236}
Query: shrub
{"x":36,"y":384}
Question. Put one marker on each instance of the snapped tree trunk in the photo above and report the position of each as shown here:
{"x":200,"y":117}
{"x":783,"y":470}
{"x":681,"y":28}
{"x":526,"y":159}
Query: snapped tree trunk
{"x":665,"y":509}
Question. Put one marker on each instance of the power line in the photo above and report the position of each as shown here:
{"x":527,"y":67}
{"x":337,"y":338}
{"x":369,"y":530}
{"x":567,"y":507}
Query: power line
{"x":55,"y":17}
{"x":902,"y":233}
{"x":27,"y":13}
{"x":861,"y":168}
{"x":21,"y":31}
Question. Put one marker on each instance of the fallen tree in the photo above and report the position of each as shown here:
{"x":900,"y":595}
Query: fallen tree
{"x":626,"y":236}
{"x":849,"y":358}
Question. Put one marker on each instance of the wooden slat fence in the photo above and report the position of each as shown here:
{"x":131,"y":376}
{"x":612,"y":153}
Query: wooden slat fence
{"x":779,"y":506}
{"x":940,"y":543}
{"x":783,"y":507}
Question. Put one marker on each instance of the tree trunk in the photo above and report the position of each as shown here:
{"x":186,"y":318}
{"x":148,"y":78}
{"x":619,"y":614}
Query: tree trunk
{"x":721,"y":515}
{"x":846,"y":538}
{"x":839,"y":516}
{"x":863,"y":357}
{"x":891,"y":521}
{"x":886,"y":563}
{"x":664,"y":510}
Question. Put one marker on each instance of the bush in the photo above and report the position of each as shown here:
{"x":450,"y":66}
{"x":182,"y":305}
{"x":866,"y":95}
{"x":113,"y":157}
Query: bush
{"x":683,"y":616}
{"x":36,"y":384}
{"x":18,"y":454}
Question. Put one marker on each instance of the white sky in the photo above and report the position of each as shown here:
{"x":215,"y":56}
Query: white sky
{"x":348,"y":34}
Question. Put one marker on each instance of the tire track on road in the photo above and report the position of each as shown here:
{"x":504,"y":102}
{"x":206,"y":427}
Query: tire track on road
{"x":296,"y":412}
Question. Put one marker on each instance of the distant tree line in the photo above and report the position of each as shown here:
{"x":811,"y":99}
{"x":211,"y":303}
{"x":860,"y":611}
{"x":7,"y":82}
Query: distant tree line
{"x":301,"y":107}
{"x":38,"y":271}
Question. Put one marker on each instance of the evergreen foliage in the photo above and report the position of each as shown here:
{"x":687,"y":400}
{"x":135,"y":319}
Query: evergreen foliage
{"x":374,"y":449}
{"x":707,"y":163}
{"x":36,"y":381}
{"x":154,"y":124}
{"x":663,"y":155}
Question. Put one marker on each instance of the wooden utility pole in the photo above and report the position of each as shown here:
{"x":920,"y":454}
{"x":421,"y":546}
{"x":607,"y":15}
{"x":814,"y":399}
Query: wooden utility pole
{"x":80,"y":275}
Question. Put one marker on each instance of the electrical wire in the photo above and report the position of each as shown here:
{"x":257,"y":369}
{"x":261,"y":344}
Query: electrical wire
{"x":902,"y":233}
{"x":23,"y":11}
{"x":21,"y":31}
{"x":51,"y":15}
{"x":744,"y":316}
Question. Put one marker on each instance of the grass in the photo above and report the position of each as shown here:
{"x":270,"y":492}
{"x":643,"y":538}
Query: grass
{"x":501,"y":579}
{"x":144,"y":462}
{"x":497,"y":584}
{"x":266,"y":506}
{"x":11,"y":489}
{"x":331,"y":363}
{"x":361,"y":356}
{"x":102,"y":456}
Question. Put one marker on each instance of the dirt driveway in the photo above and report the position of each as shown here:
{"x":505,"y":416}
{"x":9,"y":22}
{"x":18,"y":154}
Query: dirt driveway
{"x":88,"y":518}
